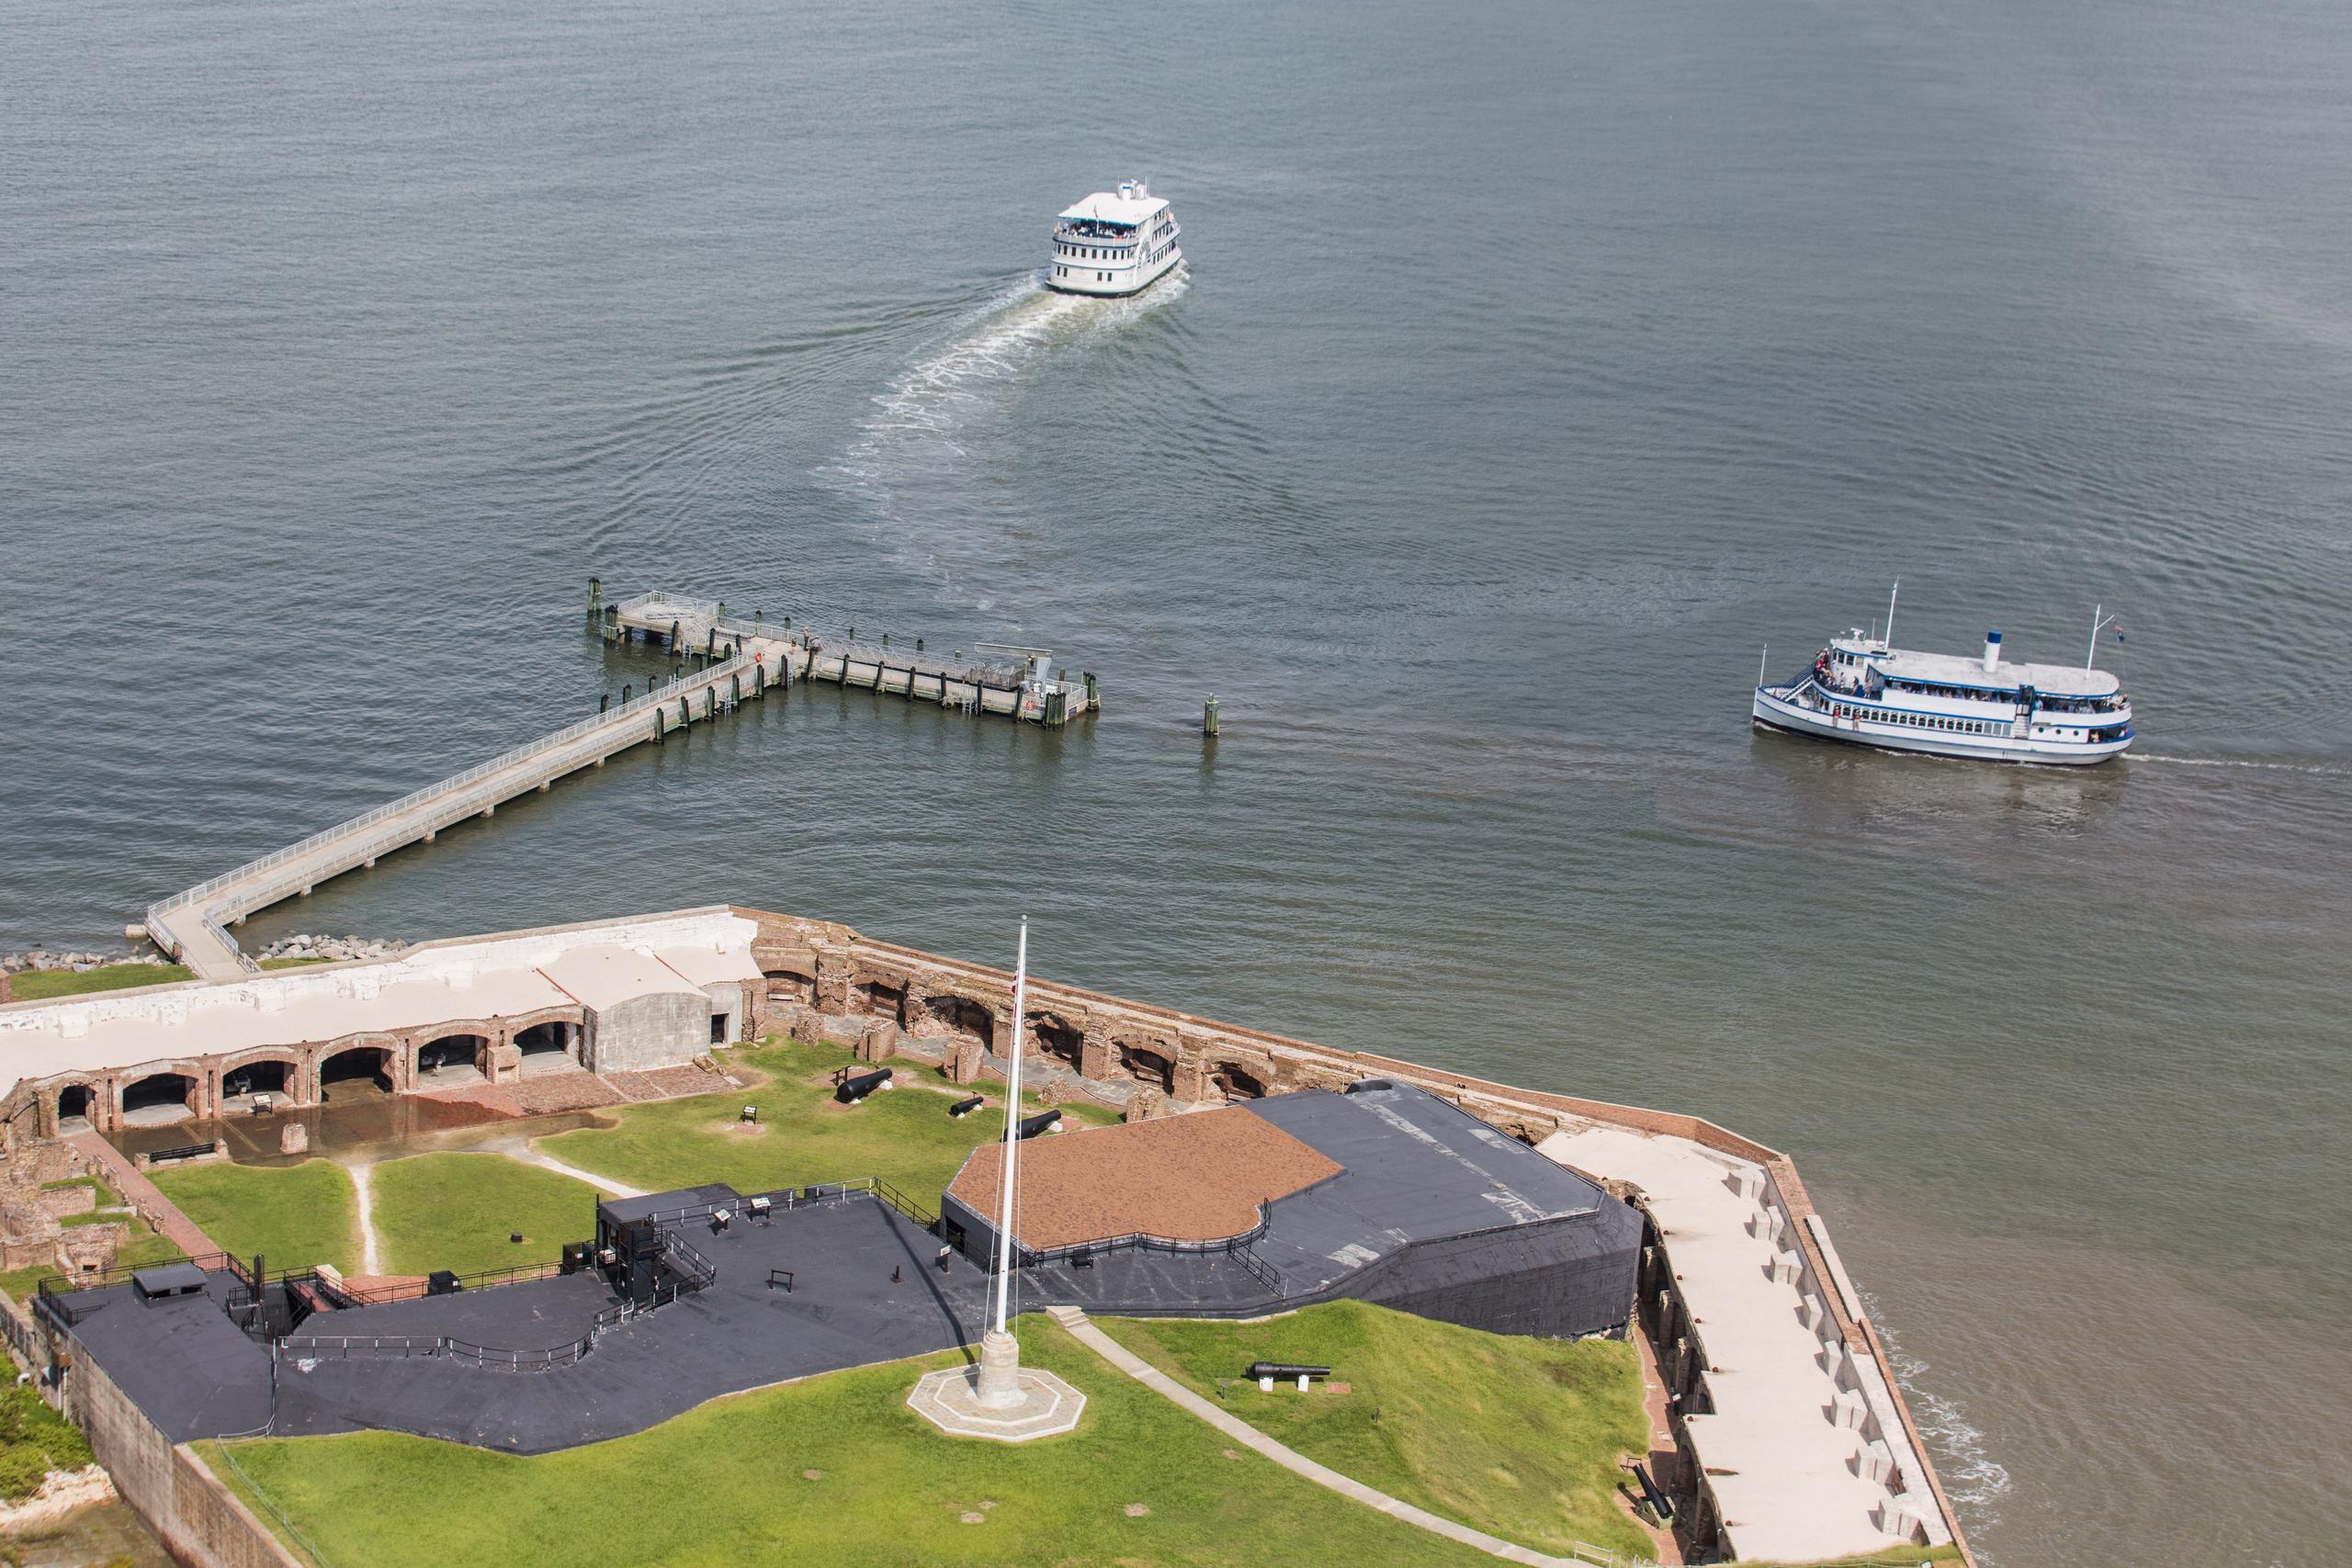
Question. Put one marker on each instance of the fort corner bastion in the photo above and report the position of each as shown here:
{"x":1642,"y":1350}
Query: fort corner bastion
{"x":1791,"y":1439}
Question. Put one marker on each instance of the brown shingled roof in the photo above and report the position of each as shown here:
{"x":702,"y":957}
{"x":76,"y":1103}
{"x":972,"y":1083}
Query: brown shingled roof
{"x":1201,"y":1176}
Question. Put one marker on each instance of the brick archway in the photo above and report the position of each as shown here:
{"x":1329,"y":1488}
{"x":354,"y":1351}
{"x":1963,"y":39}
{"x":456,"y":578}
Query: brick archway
{"x":452,"y":1053}
{"x":881,"y":996}
{"x":79,"y":1101}
{"x":357,"y":1069}
{"x":1051,"y":1035}
{"x":1235,"y":1081}
{"x":159,"y":1099}
{"x":1150,"y":1062}
{"x":962,"y":1019}
{"x":275,"y":1074}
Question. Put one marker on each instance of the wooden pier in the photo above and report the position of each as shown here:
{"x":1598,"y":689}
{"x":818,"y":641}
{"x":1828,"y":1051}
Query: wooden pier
{"x":727,"y":660}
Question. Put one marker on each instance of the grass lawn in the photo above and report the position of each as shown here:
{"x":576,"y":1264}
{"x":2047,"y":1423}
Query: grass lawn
{"x":294,"y":1215}
{"x":1518,"y":1436}
{"x":39,"y":985}
{"x":34,"y":1441}
{"x":454,"y":1212}
{"x":906,"y":1136}
{"x":105,"y":1198}
{"x":728,"y":1484}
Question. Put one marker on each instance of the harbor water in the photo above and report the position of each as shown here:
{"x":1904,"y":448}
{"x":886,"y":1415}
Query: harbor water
{"x":1535,"y":365}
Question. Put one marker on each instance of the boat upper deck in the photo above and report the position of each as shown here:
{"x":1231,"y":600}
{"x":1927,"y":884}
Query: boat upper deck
{"x":1967,"y":674}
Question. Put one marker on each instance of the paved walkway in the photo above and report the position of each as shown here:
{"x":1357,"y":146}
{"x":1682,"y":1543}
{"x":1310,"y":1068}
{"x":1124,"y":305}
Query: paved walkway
{"x":1290,"y":1458}
{"x":144,"y":1195}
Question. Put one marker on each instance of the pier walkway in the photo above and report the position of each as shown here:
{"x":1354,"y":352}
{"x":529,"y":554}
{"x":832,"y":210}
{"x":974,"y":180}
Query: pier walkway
{"x":740,"y":660}
{"x":741,"y":666}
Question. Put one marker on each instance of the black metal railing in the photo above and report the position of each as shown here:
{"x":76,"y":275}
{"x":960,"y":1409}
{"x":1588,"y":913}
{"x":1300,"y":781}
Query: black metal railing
{"x":412,"y":1289}
{"x":784,"y":1199}
{"x":54,"y":1294}
{"x":1238,"y":1247}
{"x":694,"y":1272}
{"x":465,"y":1352}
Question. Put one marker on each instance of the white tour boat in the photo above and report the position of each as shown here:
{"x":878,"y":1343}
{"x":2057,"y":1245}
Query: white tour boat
{"x":1111,"y":244}
{"x":1862,"y":689}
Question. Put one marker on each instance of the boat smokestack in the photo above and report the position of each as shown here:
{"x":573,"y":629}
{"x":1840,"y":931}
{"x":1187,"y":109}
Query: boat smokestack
{"x":1992,"y":651}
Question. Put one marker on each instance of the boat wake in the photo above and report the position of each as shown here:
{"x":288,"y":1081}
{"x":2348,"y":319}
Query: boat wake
{"x":928,"y":461}
{"x":2316,"y":768}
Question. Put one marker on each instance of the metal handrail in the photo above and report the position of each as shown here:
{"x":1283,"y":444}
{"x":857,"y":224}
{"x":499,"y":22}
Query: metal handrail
{"x":972,"y":672}
{"x":1145,"y":1241}
{"x":699,"y":1273}
{"x":1236,"y":1247}
{"x":787,"y":1197}
{"x":482,"y":1279}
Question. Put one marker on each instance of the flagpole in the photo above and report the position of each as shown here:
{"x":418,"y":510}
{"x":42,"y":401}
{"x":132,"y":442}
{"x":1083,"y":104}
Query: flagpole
{"x":1004,"y":1241}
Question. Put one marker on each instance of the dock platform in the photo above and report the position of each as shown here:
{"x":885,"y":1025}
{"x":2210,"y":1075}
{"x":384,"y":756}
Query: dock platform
{"x":740,"y":660}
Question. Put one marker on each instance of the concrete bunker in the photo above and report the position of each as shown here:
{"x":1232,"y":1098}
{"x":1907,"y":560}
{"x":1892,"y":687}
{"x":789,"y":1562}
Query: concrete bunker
{"x":350,"y":1073}
{"x":158,"y":1099}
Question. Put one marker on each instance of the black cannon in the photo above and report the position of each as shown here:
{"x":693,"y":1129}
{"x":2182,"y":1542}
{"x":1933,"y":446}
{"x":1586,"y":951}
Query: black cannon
{"x":963,"y":1107}
{"x":1044,"y":1121}
{"x":1267,"y":1371}
{"x":1660,"y":1504}
{"x":1368,"y":1085}
{"x":857,"y":1087}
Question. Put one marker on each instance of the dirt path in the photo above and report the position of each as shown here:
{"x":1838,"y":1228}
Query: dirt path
{"x":523,"y":1151}
{"x":362,"y":1183}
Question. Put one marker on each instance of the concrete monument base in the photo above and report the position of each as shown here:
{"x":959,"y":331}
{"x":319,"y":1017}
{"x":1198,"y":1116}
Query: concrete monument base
{"x":999,"y":1398}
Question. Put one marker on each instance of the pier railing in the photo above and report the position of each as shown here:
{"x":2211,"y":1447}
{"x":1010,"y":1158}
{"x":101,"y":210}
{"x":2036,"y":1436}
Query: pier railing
{"x":448,"y":790}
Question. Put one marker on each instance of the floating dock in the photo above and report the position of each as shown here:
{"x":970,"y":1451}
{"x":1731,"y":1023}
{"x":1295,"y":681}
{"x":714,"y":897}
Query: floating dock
{"x":726,"y":661}
{"x":1014,"y":682}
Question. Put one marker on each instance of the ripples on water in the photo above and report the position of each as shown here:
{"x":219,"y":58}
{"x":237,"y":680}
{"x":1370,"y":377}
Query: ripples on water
{"x":1527,"y":376}
{"x":927,"y":466}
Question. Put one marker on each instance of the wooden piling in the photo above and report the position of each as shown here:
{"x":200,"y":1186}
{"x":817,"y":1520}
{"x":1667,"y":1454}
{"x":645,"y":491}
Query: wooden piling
{"x":1208,"y":718}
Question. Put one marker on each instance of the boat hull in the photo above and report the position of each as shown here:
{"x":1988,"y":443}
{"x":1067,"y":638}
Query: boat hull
{"x":1775,"y":708}
{"x":1120,"y":290}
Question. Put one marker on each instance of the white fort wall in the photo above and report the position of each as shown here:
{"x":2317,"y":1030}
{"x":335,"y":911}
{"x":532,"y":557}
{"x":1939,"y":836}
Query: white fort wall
{"x":631,"y":994}
{"x":1784,"y":1380}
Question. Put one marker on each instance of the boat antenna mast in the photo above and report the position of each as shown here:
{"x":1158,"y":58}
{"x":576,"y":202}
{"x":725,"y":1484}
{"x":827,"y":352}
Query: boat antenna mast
{"x":1890,"y":613}
{"x":2090,"y":660}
